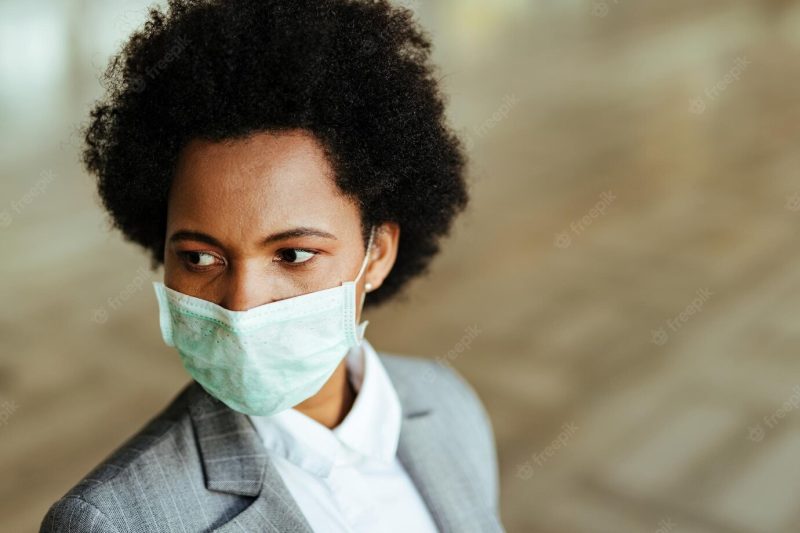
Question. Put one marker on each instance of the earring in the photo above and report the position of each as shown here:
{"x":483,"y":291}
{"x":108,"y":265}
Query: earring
{"x":368,"y":286}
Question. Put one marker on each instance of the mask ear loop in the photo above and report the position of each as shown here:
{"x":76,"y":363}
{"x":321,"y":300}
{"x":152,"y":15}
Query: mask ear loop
{"x":366,"y":255}
{"x":361,"y":327}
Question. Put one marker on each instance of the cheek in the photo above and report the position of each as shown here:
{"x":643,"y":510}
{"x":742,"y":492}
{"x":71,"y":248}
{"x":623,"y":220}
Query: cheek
{"x":324,"y":272}
{"x":170,"y":264}
{"x":178,"y":278}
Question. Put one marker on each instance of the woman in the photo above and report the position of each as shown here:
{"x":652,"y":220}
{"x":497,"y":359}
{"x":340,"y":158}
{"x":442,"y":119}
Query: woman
{"x":288,"y":163}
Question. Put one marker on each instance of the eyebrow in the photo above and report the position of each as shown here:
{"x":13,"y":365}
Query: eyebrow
{"x":187,"y":235}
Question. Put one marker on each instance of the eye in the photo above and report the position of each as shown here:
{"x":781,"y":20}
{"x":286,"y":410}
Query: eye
{"x":199,"y":259}
{"x":295,"y":255}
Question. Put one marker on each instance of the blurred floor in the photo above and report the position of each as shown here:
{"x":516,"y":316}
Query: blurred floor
{"x":627,"y":276}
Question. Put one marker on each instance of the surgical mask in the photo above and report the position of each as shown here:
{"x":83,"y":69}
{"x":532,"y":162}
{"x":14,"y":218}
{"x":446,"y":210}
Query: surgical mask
{"x":268,"y":358}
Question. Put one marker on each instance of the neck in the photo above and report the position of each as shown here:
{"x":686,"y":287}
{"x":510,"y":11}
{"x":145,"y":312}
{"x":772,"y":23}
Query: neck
{"x":331,"y":404}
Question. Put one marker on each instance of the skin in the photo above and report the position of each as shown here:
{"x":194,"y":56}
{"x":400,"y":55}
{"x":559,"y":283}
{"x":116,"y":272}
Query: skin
{"x":228,"y":197}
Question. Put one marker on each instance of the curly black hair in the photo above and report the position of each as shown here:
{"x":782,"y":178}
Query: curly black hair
{"x":355,"y":73}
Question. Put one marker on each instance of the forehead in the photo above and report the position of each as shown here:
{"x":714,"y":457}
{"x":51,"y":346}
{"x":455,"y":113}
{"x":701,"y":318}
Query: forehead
{"x":268,"y":179}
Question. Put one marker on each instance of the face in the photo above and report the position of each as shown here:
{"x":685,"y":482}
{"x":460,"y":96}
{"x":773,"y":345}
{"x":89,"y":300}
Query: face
{"x":255,"y":221}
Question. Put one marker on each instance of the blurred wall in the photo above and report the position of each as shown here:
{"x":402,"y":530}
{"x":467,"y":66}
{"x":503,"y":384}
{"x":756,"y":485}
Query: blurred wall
{"x":622,"y":294}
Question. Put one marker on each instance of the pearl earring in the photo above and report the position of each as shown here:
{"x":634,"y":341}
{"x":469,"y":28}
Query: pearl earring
{"x":368,"y":286}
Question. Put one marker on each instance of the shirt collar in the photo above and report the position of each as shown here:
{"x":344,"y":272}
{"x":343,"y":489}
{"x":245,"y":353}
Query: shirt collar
{"x":372,"y":427}
{"x":370,"y":430}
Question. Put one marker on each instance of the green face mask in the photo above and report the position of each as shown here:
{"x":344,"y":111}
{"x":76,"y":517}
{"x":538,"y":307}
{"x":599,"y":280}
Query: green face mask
{"x":268,"y":358}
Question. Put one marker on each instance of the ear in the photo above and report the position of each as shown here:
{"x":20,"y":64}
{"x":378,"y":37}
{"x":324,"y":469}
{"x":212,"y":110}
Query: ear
{"x":383,"y":254}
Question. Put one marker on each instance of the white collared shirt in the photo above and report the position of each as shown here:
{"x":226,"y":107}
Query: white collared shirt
{"x":349,"y":479}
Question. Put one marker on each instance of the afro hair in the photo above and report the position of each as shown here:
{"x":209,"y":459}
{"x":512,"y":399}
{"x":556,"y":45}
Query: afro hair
{"x":355,"y":73}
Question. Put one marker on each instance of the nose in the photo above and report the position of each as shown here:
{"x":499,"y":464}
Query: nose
{"x":245,"y":287}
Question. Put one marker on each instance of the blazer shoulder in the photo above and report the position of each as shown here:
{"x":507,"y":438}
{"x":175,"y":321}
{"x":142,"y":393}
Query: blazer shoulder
{"x":431,"y":379}
{"x":84,"y":503}
{"x":73,"y":513}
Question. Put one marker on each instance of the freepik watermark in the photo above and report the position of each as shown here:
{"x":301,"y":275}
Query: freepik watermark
{"x":601,"y":9}
{"x":100,"y":315}
{"x":564,"y":238}
{"x":665,"y":525}
{"x":698,"y":104}
{"x":660,"y":336}
{"x":18,"y":206}
{"x":499,"y":114}
{"x":463,"y":344}
{"x":7,"y":408}
{"x":525,"y":470}
{"x":139,"y":83}
{"x":757,"y":431}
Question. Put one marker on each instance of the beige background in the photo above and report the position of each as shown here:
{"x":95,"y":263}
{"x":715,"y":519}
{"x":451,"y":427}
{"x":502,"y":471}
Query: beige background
{"x":628,"y":275}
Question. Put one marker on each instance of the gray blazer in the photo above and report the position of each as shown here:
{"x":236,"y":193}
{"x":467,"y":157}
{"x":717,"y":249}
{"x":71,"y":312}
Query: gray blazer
{"x":200,"y":466}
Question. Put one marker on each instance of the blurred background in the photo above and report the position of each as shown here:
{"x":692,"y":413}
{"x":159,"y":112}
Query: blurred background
{"x":623,"y":293}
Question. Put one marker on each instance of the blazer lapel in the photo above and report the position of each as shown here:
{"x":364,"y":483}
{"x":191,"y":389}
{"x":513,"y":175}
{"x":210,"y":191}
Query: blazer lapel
{"x":235,"y":461}
{"x":448,"y":490}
